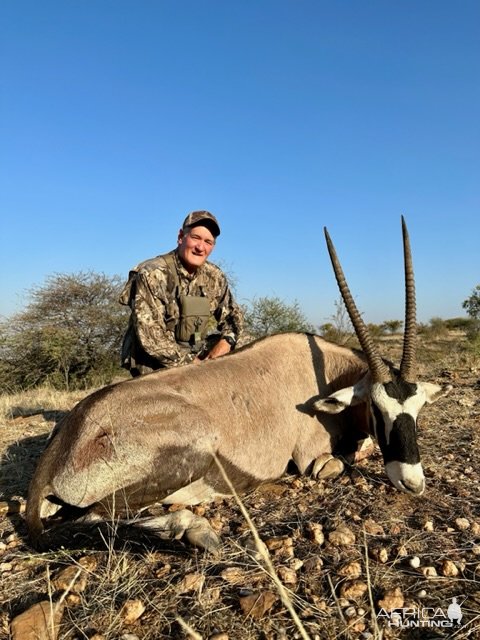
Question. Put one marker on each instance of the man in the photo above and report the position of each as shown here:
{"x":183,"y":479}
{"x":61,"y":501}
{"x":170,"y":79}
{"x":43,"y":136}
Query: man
{"x":177,"y":300}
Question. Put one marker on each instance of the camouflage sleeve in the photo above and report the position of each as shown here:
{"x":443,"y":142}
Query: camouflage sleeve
{"x":149,"y":313}
{"x":228,"y":314}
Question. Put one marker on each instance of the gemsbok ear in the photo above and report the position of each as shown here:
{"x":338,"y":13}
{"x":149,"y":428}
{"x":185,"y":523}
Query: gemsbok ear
{"x":340,"y":400}
{"x":434,"y":391}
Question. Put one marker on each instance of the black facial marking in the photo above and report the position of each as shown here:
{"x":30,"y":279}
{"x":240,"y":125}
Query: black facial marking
{"x":403,"y":440}
{"x":399,"y":389}
{"x":402,"y":446}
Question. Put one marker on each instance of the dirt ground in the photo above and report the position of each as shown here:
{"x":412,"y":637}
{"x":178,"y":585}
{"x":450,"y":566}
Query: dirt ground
{"x":350,"y":551}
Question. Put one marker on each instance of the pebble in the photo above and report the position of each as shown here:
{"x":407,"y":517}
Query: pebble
{"x":341,"y":536}
{"x":462,"y":524}
{"x":315,"y":533}
{"x":287,"y":576}
{"x":131,"y":611}
{"x":351,"y":570}
{"x":373,"y":528}
{"x":5,"y":567}
{"x":233,"y":575}
{"x":296,"y":564}
{"x":429,"y":572}
{"x":428,"y":526}
{"x":191,"y":582}
{"x":313,"y":564}
{"x":392,"y":599}
{"x":414,"y":562}
{"x":449,"y":569}
{"x":39,"y":622}
{"x":350,"y":612}
{"x":256,"y":605}
{"x":421,"y":594}
{"x":353,"y":589}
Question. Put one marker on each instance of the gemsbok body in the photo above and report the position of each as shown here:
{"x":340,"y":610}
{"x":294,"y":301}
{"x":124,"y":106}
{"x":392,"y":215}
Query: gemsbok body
{"x":288,"y":397}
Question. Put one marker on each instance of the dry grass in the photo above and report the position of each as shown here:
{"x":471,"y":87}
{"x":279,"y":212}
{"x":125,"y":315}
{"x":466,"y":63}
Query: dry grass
{"x":390,"y":529}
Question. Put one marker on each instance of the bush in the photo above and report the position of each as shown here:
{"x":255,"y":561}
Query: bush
{"x":68,"y":335}
{"x":267,"y":315}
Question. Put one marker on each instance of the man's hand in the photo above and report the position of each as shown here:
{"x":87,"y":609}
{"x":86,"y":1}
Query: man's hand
{"x":220,"y":349}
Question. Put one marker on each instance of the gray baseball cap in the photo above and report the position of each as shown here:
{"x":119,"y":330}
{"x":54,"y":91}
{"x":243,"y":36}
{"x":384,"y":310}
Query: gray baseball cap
{"x":204,"y":218}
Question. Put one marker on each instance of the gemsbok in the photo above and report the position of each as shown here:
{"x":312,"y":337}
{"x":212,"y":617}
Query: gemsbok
{"x":287,"y":397}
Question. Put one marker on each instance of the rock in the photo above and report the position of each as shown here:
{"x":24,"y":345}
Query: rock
{"x":315,"y":533}
{"x":40,"y":622}
{"x":5,"y":567}
{"x":475,"y":529}
{"x":350,"y":612}
{"x":163,"y":571}
{"x":353,"y":589}
{"x":449,"y":569}
{"x":64,"y":579}
{"x":462,"y":524}
{"x":191,"y":582}
{"x":380,"y":554}
{"x":296,"y":564}
{"x":414,"y":562}
{"x":358,"y":626}
{"x":428,"y":526}
{"x":131,"y":611}
{"x":373,"y":528}
{"x":218,"y":636}
{"x":287,"y":576}
{"x":392,"y":599}
{"x":429,"y":572}
{"x":313,"y":564}
{"x":351,"y":570}
{"x":257,"y":604}
{"x":476,"y":549}
{"x":3,"y":546}
{"x":341,"y":536}
{"x":233,"y":575}
{"x":421,"y":594}
{"x":281,"y":546}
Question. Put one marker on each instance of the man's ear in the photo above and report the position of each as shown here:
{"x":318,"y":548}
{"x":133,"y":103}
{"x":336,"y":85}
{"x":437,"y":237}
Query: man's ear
{"x":434,"y":391}
{"x":181,"y":236}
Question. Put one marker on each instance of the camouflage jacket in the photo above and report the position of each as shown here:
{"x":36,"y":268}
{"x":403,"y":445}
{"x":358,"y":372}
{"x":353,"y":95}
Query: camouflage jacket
{"x":152,"y":294}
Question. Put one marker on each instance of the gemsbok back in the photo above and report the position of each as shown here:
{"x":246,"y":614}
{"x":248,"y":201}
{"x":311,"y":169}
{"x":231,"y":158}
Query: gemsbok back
{"x":287,"y":397}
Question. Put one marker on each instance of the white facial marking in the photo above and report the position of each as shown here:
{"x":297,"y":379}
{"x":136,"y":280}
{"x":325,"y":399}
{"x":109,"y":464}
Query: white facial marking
{"x":392,"y":408}
{"x":406,"y":477}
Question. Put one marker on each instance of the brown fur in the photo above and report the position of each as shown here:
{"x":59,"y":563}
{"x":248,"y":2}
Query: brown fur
{"x":142,"y":440}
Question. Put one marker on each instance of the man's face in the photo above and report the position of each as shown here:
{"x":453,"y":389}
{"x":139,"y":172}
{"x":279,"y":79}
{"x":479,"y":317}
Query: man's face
{"x":194,"y":247}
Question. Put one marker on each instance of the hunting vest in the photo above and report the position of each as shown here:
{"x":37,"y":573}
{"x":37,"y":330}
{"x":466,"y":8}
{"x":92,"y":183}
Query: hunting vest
{"x":186,"y":316}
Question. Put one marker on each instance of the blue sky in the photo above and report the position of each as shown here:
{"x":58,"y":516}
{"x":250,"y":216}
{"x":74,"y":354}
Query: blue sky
{"x":118,"y":117}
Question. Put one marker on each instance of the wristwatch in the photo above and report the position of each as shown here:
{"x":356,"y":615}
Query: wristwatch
{"x":231,"y":341}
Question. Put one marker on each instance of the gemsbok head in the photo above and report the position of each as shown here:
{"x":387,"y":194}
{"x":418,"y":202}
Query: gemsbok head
{"x":395,"y":396}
